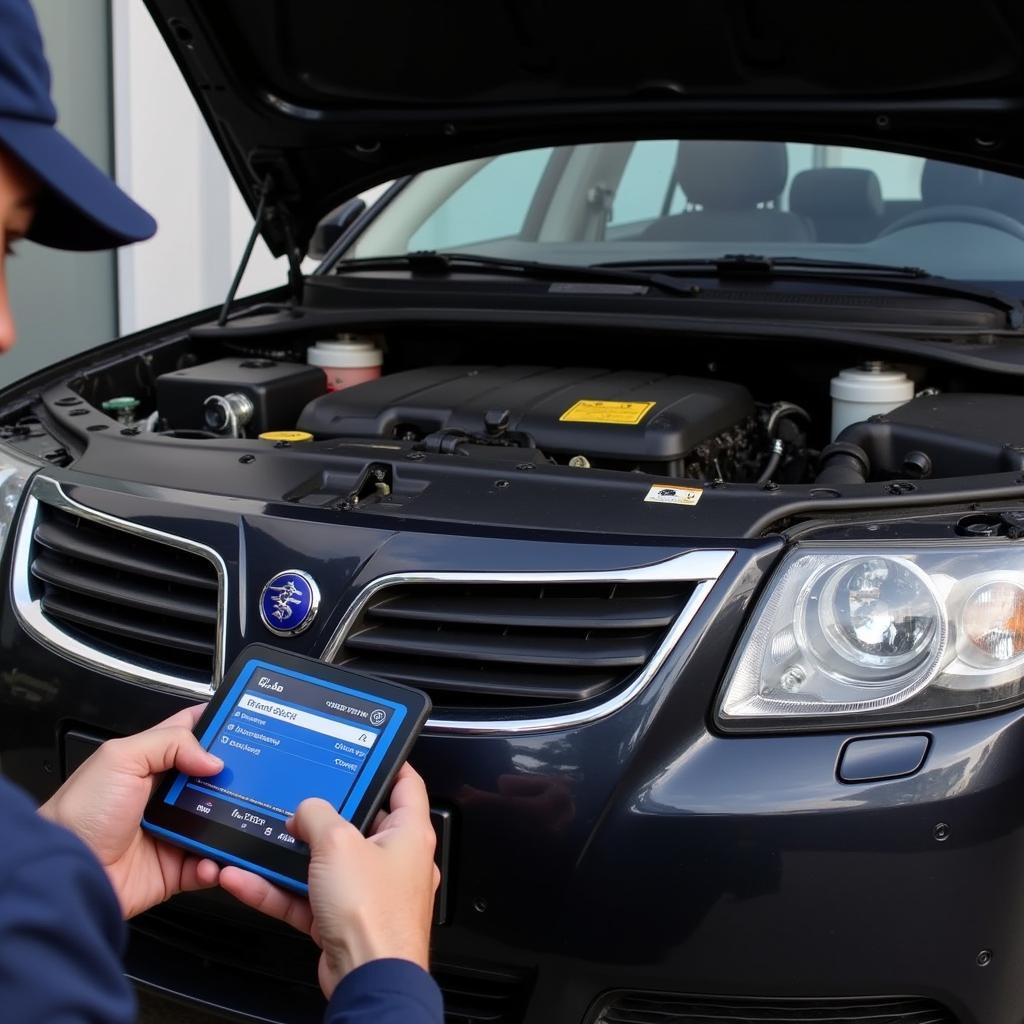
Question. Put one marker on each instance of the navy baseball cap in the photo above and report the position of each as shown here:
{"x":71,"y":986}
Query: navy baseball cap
{"x":78,"y":207}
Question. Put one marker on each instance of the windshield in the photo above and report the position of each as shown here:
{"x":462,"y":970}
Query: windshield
{"x":666,"y":199}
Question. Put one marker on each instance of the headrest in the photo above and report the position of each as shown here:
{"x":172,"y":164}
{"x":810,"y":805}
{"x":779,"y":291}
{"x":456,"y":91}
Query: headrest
{"x":1005,"y":194}
{"x":945,"y":184}
{"x":837,"y":192}
{"x":731,"y":175}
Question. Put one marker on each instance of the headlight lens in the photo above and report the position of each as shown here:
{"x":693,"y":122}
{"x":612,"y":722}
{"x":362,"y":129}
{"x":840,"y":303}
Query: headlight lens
{"x":886,"y":633}
{"x":14,"y":475}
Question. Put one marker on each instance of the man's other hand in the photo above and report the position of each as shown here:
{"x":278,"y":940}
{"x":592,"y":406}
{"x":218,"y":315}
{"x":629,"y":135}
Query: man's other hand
{"x":103,"y":801}
{"x":369,"y":898}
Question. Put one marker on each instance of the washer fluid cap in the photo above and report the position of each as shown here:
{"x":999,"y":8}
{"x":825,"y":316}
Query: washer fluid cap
{"x":121,"y":404}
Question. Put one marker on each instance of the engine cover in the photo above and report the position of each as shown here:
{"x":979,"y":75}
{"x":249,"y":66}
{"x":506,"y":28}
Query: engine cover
{"x":611,"y":416}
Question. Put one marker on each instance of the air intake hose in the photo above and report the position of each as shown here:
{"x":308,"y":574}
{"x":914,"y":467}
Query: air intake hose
{"x":843,"y":463}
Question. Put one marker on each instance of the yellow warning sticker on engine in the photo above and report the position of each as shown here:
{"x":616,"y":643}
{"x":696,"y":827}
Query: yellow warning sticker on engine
{"x":673,"y":494}
{"x":593,"y":410}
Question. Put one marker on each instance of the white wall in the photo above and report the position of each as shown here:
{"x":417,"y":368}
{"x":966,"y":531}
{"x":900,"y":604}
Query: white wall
{"x":64,"y":302}
{"x":167,"y":160}
{"x":165,"y":157}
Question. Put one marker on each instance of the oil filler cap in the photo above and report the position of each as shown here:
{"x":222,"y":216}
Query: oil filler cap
{"x":882,"y":757}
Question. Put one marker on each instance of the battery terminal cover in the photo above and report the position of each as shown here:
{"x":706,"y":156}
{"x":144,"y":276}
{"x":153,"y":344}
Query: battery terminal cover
{"x":252,"y":395}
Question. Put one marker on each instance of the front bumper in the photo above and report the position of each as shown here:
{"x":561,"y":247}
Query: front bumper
{"x":650,"y":853}
{"x":739,"y":868}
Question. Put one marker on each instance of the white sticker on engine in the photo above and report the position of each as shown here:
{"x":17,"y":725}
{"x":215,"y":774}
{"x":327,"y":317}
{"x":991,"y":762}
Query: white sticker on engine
{"x":673,"y":494}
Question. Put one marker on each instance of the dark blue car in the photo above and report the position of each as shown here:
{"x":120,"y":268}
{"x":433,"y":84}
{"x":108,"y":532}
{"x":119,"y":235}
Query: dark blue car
{"x":663,"y":419}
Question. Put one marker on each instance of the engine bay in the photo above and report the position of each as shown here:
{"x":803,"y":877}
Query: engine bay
{"x":700,"y":413}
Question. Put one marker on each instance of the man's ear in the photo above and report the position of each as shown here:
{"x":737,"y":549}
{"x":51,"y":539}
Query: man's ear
{"x":19,"y":188}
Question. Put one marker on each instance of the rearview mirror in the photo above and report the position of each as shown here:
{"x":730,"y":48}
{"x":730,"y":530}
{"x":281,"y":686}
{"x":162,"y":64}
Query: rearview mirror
{"x":333,"y":226}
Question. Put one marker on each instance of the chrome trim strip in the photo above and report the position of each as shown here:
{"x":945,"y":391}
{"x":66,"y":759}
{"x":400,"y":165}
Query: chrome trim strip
{"x":48,"y":491}
{"x":702,"y":567}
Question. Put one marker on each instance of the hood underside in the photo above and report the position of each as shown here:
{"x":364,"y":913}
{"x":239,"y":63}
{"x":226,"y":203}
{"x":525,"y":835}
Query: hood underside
{"x":328,"y":98}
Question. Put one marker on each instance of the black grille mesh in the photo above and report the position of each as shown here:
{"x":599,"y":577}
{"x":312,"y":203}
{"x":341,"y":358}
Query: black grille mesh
{"x":257,"y":956}
{"x":512,"y":645}
{"x":654,"y":1008}
{"x":127,"y":595}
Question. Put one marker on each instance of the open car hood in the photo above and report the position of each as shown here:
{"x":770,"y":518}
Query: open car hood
{"x":328,"y":97}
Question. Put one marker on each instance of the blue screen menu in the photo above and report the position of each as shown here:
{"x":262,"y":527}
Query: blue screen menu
{"x":285,"y":736}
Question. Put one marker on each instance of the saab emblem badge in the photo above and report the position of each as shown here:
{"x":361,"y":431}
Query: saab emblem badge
{"x":289,"y":603}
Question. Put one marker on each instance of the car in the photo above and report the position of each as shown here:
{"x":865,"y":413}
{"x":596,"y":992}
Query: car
{"x":663,"y":419}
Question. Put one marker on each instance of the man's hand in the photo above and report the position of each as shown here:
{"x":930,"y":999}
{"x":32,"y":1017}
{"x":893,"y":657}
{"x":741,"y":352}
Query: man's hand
{"x":102,"y":803}
{"x":369,"y":898}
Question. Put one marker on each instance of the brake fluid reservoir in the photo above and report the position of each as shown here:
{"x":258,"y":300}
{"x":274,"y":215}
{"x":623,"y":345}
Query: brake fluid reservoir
{"x":348,"y":360}
{"x":867,"y":390}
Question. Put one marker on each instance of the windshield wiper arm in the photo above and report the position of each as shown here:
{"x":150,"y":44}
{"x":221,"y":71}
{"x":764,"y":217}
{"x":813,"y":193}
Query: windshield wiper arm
{"x":443,"y":264}
{"x":908,"y":279}
{"x":753,"y":264}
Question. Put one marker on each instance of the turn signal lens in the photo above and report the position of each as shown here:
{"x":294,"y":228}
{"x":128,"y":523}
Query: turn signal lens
{"x":993,"y":624}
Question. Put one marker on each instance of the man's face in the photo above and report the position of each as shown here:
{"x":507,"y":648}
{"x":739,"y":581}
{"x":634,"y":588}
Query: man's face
{"x":18,"y":189}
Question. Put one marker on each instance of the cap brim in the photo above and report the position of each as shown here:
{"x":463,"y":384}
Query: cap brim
{"x":79,"y":206}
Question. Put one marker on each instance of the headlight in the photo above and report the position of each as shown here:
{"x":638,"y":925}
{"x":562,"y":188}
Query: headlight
{"x":881,"y":633}
{"x":14,"y":474}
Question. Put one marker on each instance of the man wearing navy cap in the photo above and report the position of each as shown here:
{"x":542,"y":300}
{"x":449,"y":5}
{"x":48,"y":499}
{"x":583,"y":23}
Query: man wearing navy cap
{"x":71,"y":872}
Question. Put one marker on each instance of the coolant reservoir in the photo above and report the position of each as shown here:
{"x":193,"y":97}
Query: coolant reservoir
{"x":867,"y":390}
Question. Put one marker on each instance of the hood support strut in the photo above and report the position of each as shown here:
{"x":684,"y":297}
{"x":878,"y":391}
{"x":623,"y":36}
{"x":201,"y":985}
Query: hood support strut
{"x":264,"y":212}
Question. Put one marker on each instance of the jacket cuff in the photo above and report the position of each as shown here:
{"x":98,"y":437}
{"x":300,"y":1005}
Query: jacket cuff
{"x":388,"y":985}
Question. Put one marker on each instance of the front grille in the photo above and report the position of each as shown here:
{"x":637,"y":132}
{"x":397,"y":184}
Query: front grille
{"x":482,"y":995}
{"x":511,"y":645}
{"x":130,"y":596}
{"x":259,"y":959}
{"x":653,"y":1008}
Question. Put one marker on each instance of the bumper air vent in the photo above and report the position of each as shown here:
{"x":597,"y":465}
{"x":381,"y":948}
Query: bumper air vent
{"x":648,"y":1008}
{"x":192,"y":948}
{"x":497,"y":645}
{"x":125,"y":595}
{"x":482,"y":995}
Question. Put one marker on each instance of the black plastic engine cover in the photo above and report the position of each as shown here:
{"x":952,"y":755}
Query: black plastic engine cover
{"x":626,"y":415}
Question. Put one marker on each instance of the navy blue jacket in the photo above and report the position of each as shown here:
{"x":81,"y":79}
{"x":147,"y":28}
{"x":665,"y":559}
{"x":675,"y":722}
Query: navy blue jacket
{"x":61,"y":938}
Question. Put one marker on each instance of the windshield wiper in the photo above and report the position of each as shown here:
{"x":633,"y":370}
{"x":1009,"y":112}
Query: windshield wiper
{"x":442,"y":264}
{"x":744,"y":263}
{"x":882,"y":275}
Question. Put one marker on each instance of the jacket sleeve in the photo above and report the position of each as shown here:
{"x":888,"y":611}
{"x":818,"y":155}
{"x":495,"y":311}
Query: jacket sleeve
{"x":61,"y":935}
{"x":386,"y":992}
